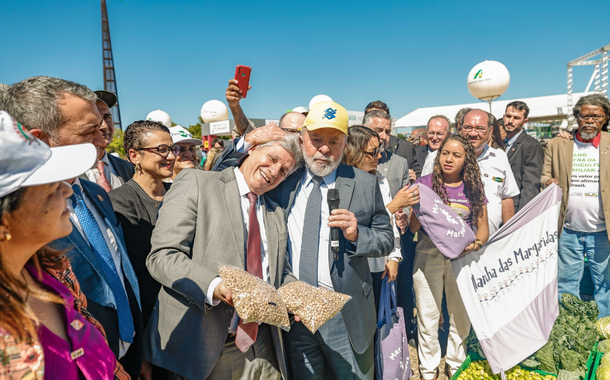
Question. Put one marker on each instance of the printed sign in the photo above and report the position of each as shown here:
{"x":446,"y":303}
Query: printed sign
{"x":509,"y":287}
{"x":219,"y":127}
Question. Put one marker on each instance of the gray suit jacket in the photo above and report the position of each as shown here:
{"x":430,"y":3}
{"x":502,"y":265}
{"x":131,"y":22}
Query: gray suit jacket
{"x":526,"y":156}
{"x":396,"y":170}
{"x":359,"y":193}
{"x":199,"y":228}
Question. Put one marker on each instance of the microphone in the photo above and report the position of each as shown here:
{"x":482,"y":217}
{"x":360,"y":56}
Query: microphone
{"x":333,"y":203}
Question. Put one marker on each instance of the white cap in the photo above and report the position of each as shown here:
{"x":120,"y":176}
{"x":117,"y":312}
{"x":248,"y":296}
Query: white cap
{"x":300,"y":109}
{"x":27,"y":161}
{"x":182,"y":135}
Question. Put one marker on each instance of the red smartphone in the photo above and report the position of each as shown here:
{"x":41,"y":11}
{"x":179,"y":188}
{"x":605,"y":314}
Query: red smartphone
{"x":242,"y":75}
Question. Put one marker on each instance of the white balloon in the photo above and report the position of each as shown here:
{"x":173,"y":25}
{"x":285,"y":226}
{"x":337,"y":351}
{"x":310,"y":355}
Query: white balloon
{"x":318,"y":99}
{"x":214,"y":110}
{"x":488,"y":80}
{"x":160,"y":116}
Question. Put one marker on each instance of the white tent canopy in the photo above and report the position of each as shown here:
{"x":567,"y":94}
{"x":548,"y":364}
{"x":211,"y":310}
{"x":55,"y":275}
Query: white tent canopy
{"x":553,"y":107}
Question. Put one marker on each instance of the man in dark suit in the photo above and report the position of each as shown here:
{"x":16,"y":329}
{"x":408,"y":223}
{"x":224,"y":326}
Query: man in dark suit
{"x":95,"y":247}
{"x":111,"y":171}
{"x":393,"y":144}
{"x":524,"y":152}
{"x":193,"y":331}
{"x":437,"y":130}
{"x":343,"y":347}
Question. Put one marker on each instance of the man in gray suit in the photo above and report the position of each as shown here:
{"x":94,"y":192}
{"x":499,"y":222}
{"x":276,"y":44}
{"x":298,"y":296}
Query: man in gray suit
{"x":524,"y":152}
{"x":210,"y":219}
{"x":343,"y":347}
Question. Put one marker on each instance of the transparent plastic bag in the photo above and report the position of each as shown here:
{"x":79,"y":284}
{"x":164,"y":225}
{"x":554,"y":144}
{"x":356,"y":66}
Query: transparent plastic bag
{"x":254,"y":299}
{"x":315,"y":306}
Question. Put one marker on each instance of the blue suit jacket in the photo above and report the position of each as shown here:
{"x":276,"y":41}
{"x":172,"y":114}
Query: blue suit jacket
{"x":90,"y":274}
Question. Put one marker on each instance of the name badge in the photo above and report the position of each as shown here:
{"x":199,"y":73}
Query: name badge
{"x":77,"y":354}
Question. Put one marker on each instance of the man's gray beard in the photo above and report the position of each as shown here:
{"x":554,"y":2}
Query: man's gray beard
{"x":321,"y":170}
{"x":588,"y":136}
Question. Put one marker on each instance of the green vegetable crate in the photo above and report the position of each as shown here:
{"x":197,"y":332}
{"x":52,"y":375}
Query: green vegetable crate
{"x":592,"y":364}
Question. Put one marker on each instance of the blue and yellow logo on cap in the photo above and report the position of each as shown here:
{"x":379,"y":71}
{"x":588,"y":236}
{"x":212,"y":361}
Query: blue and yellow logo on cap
{"x":329,"y":113}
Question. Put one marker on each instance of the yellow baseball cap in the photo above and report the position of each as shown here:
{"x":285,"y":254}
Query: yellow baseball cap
{"x":326,"y":115}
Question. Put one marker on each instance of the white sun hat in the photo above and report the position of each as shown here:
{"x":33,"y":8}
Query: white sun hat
{"x":27,"y":161}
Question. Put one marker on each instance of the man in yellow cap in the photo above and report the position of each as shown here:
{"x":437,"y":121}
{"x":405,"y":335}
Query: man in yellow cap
{"x":343,"y":347}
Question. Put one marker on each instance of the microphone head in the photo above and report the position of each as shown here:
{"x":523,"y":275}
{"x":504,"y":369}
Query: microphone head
{"x":333,"y":197}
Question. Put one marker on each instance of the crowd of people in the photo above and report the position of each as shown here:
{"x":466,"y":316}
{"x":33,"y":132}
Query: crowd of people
{"x":109,"y":266}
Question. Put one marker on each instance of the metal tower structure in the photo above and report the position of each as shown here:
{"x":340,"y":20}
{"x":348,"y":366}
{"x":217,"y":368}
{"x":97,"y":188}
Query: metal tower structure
{"x":109,"y":77}
{"x":599,"y":78}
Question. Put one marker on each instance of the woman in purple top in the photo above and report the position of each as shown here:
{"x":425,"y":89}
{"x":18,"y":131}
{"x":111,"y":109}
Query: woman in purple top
{"x":42,"y":336}
{"x":457,"y":181}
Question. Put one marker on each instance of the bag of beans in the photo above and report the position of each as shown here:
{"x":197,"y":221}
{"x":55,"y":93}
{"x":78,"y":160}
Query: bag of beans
{"x":254,"y":299}
{"x":315,"y":306}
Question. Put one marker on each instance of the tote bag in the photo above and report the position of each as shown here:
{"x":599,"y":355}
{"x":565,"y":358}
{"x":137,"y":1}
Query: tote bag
{"x":392,"y":361}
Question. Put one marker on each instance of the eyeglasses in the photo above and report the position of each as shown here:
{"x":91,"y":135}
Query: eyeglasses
{"x":479,"y":130}
{"x":177,"y":149}
{"x":289,"y":130}
{"x":597,"y":118}
{"x":162,"y":150}
{"x":375,"y":151}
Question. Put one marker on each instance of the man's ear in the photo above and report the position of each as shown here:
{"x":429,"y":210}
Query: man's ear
{"x":40,"y":135}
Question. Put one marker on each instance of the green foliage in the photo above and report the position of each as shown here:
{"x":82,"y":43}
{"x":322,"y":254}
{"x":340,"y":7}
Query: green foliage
{"x":117,"y":143}
{"x":546,"y":359}
{"x":572,"y":338}
{"x":195,"y":129}
{"x":604,"y":346}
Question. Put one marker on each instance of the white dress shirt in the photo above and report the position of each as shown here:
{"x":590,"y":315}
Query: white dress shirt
{"x":296,"y":221}
{"x":243,"y":189}
{"x":377,"y":264}
{"x":428,"y":167}
{"x":499,"y":182}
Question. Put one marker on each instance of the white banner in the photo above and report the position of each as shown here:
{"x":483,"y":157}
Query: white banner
{"x":509,"y":288}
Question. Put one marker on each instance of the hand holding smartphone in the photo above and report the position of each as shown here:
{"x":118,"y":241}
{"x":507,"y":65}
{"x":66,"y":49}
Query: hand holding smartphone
{"x":242,"y":76}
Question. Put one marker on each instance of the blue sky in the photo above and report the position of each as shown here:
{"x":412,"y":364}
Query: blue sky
{"x":175,"y":55}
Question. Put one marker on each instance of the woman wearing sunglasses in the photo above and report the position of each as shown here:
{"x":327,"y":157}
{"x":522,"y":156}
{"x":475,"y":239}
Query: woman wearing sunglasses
{"x":42,"y":334}
{"x":363,"y":151}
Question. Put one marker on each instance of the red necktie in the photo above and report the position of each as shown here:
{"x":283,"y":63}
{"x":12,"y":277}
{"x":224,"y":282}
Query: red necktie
{"x":247,"y":332}
{"x":101,"y":179}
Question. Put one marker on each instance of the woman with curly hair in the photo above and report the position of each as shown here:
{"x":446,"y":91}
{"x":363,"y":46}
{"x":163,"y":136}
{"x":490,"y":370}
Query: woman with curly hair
{"x":457,"y":181}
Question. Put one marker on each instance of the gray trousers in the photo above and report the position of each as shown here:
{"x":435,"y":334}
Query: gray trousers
{"x":327,"y":354}
{"x":259,"y":362}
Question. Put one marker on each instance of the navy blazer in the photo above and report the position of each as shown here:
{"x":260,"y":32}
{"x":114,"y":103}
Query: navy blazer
{"x":90,"y":274}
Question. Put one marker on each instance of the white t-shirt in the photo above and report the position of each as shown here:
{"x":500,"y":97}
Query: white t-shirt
{"x":585,"y":211}
{"x":429,"y":163}
{"x":499,"y":183}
